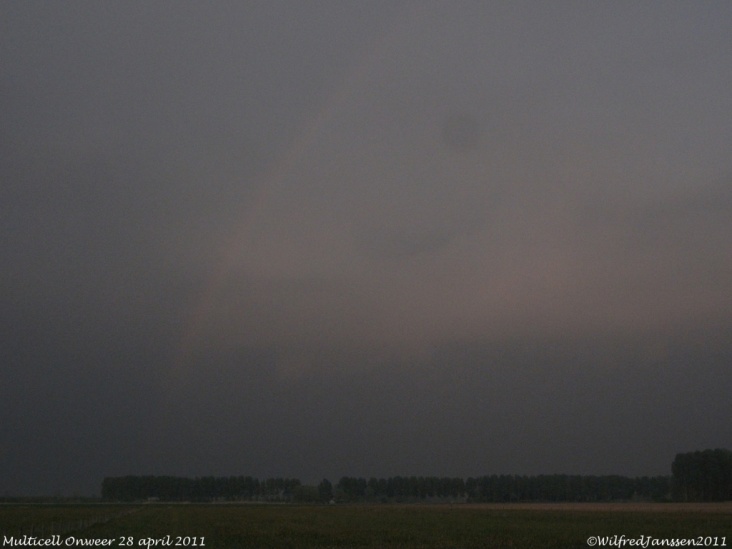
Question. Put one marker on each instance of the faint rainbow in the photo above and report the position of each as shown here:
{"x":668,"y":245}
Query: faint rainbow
{"x":205,"y":304}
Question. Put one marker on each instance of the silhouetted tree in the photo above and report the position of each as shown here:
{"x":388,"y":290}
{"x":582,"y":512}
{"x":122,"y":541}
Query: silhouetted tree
{"x":325,"y":490}
{"x":704,"y":475}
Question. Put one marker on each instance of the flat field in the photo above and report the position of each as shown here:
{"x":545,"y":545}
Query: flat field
{"x":365,"y":526}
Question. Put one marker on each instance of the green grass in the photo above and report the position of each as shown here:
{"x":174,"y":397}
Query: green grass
{"x":460,"y":526}
{"x":41,"y":519}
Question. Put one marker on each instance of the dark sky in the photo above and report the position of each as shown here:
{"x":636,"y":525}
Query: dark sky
{"x":315,"y":239}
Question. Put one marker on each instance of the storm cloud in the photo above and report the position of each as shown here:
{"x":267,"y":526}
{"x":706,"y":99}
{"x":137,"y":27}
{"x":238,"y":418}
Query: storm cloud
{"x":333,"y":238}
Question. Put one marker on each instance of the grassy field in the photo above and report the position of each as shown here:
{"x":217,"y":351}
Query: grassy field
{"x":389,"y":526}
{"x":42,"y":519}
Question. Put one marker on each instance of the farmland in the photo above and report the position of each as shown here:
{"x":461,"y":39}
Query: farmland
{"x":366,"y":526}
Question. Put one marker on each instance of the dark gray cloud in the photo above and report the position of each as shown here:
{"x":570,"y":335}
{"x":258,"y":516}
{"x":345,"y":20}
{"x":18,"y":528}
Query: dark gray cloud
{"x":371,"y":239}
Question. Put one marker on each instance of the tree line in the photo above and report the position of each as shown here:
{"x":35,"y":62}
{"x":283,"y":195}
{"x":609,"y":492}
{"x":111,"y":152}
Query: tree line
{"x":494,"y":488}
{"x":696,"y":476}
{"x":704,"y":475}
{"x":170,"y":488}
{"x":505,"y":488}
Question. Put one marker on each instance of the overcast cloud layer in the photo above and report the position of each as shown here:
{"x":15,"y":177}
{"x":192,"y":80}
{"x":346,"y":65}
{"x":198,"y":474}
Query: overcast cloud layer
{"x":316,"y":239}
